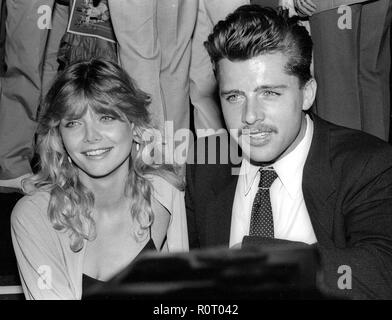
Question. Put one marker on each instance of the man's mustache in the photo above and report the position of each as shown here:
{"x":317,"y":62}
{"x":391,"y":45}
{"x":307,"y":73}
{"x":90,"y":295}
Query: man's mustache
{"x":254,"y":129}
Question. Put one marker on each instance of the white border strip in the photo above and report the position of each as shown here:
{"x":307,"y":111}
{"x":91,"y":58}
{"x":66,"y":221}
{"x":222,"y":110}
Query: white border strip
{"x":11,"y":289}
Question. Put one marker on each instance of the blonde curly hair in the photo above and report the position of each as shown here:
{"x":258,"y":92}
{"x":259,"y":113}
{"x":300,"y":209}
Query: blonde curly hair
{"x":105,"y":88}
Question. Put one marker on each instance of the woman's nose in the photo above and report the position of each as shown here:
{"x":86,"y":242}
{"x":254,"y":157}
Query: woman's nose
{"x":92,"y":134}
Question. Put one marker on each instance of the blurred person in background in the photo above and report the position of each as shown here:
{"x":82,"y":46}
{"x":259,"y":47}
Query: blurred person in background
{"x":27,"y":27}
{"x":352,"y":62}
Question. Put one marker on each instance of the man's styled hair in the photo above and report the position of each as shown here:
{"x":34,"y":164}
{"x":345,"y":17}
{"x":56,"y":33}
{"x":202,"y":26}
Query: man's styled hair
{"x":252,"y":30}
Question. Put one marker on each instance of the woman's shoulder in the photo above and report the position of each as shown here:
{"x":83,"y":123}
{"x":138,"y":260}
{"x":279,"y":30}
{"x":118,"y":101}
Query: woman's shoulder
{"x":162,"y":185}
{"x":158,"y":181}
{"x":31,"y":207}
{"x":168,"y":180}
{"x":164,"y":191}
{"x":173,"y":200}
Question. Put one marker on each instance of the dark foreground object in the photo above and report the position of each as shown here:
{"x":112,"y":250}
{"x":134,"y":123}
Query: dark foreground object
{"x":254,"y":273}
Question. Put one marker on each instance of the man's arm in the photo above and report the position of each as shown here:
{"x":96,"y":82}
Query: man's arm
{"x":304,"y":7}
{"x":367,"y":218}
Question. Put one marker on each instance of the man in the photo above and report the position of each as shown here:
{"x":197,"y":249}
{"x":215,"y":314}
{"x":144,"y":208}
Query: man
{"x":329,"y":186}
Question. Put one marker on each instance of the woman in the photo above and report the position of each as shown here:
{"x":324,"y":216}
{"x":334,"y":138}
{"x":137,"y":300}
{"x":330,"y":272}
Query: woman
{"x":95,"y":204}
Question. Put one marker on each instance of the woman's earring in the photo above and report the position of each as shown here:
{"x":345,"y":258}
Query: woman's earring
{"x":69,"y":159}
{"x":137,"y":146}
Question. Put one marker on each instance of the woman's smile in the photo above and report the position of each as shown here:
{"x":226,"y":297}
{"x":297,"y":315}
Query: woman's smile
{"x":97,"y":154}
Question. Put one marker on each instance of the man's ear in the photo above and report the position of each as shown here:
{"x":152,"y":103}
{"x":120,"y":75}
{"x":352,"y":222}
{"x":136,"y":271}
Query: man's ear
{"x":309,"y":93}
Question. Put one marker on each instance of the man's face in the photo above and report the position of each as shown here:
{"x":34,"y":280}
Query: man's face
{"x":262,"y":105}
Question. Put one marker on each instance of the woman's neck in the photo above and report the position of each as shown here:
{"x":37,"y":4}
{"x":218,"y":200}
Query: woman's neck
{"x":108,"y":195}
{"x":109,"y":191}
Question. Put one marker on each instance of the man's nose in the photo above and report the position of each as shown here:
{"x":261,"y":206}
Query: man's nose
{"x":253,"y":111}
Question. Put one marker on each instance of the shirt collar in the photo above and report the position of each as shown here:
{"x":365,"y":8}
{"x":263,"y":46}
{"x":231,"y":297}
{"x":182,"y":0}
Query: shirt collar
{"x":249,"y":172}
{"x":289,"y":168}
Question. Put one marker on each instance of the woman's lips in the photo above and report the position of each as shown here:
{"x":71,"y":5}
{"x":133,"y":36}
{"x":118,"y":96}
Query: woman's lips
{"x":96,"y":152}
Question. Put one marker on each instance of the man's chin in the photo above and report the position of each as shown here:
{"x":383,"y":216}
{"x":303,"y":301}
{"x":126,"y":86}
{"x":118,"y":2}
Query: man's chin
{"x":257,"y":154}
{"x":259,"y":158}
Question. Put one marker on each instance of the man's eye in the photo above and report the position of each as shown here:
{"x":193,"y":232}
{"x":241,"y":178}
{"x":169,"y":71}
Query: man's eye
{"x":269,"y":93}
{"x":233,"y":98}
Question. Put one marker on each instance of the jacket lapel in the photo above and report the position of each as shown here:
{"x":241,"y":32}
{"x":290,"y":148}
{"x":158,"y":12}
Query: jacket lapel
{"x":219,"y":210}
{"x":317,"y":184}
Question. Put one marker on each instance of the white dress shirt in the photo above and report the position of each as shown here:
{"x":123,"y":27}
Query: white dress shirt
{"x":291,"y":218}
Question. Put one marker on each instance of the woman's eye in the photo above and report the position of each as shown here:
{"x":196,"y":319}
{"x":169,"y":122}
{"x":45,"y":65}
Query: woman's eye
{"x":71,"y":124}
{"x":107,"y":118}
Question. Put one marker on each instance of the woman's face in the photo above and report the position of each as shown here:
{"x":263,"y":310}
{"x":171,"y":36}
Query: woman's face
{"x":98,"y":144}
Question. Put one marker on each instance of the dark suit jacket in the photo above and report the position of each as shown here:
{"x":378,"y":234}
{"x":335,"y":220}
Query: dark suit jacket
{"x":347,"y":188}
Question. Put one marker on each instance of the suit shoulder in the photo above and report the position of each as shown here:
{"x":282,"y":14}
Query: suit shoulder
{"x":353,"y":149}
{"x":357,"y":143}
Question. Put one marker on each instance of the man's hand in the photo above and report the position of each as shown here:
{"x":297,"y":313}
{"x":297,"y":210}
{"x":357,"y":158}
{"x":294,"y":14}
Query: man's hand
{"x":304,"y":8}
{"x":237,"y":246}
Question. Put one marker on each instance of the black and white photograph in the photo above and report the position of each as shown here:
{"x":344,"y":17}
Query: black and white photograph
{"x":87,"y":20}
{"x":195,"y":157}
